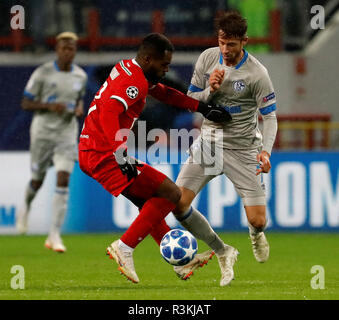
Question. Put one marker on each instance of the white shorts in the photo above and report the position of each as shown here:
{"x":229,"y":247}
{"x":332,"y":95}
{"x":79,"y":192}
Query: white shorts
{"x":238,"y":165}
{"x":45,"y":153}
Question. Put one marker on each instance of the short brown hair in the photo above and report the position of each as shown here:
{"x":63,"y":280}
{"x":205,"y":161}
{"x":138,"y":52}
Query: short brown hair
{"x":232,"y":25}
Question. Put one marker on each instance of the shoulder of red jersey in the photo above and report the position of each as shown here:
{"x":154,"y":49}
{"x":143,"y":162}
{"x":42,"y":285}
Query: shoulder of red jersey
{"x":127,"y":82}
{"x":130,"y":71}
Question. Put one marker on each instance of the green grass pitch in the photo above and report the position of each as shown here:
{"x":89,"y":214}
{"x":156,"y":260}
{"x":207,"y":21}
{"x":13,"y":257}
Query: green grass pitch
{"x":85,"y":272}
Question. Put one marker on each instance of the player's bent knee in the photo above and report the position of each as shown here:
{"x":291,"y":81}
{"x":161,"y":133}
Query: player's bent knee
{"x":175,"y":195}
{"x":182,"y":206}
{"x":170,"y":191}
{"x":187,"y":196}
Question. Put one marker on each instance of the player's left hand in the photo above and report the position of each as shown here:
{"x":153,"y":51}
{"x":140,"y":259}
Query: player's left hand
{"x":264,"y":162}
{"x":216,"y":78}
{"x":214,"y":113}
{"x":127,"y":164}
{"x":79,"y":110}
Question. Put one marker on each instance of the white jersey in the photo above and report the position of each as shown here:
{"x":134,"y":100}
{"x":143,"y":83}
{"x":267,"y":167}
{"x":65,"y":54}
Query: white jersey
{"x":245,"y":90}
{"x":49,"y":84}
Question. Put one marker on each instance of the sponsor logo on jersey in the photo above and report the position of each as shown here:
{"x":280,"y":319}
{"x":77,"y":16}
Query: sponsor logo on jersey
{"x":239,"y":85}
{"x":268,"y":97}
{"x":232,"y":109}
{"x":132,"y":92}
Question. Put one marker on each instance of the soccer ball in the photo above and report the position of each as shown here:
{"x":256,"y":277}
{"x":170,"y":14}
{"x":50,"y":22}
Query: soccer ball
{"x":178,"y":247}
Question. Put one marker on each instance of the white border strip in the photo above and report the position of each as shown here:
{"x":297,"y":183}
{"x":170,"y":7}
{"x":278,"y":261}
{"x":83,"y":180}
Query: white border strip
{"x":92,"y":109}
{"x":121,"y":100}
{"x":87,"y":58}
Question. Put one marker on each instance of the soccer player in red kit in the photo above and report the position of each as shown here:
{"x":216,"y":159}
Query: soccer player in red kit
{"x":103,"y":151}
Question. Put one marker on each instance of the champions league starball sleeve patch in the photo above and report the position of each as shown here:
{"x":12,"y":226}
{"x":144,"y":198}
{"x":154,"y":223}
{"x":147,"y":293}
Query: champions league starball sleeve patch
{"x":132,"y":92}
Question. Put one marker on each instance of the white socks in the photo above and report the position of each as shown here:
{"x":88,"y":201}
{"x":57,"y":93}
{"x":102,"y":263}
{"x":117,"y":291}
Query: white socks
{"x":59,"y":208}
{"x":199,"y":226}
{"x":30,"y":193}
{"x":124,"y":247}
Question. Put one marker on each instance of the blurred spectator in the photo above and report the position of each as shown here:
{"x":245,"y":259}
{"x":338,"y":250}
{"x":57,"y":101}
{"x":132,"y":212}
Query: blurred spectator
{"x":5,"y":8}
{"x":42,"y":21}
{"x":258,"y":19}
{"x":294,"y":23}
{"x":65,"y":14}
{"x":48,"y":18}
{"x":181,"y":18}
{"x":81,"y":10}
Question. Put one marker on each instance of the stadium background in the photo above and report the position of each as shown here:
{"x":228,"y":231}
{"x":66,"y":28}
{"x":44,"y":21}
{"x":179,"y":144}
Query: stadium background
{"x":303,"y":185}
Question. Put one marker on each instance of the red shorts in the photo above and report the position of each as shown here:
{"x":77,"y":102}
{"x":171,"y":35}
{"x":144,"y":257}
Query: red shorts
{"x":102,"y":167}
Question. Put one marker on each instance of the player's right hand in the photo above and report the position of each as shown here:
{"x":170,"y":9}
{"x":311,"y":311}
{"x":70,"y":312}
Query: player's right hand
{"x":214,"y":113}
{"x":127,"y":164}
{"x":56,"y":107}
{"x":263,"y":159}
{"x":216,"y":78}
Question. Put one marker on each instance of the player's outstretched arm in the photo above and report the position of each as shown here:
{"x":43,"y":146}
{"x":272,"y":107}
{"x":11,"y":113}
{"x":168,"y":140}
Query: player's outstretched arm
{"x":270,"y":127}
{"x":178,"y":99}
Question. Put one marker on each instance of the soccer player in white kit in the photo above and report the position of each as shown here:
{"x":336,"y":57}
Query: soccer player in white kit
{"x":55,"y":94}
{"x":229,"y":76}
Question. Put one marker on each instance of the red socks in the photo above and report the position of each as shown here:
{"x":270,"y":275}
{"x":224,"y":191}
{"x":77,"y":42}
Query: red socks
{"x":159,"y":231}
{"x":150,"y":220}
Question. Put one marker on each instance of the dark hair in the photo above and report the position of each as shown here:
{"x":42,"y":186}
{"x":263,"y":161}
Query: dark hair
{"x":232,"y":24}
{"x":155,"y":44}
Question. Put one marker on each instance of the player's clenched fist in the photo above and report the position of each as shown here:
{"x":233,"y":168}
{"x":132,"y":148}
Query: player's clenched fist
{"x":127,"y":164}
{"x":264,"y":162}
{"x":216,"y":79}
{"x":214,"y":113}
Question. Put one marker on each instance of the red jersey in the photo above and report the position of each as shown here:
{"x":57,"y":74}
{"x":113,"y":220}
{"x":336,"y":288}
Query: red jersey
{"x":119,"y":102}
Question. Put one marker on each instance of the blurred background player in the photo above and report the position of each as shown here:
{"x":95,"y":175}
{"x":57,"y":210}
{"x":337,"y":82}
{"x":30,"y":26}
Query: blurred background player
{"x":229,"y":76}
{"x":54,"y":93}
{"x":103,"y":152}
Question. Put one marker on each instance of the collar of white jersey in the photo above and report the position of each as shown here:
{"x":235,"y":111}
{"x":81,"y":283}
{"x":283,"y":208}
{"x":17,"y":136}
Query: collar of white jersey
{"x":58,"y":69}
{"x":242,"y":61}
